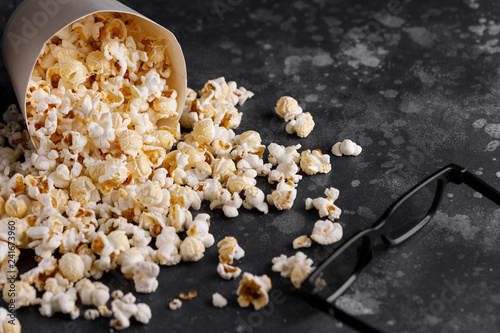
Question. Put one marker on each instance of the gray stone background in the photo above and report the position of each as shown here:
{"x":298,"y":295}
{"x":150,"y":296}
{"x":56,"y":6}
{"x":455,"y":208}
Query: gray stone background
{"x":416,"y":83}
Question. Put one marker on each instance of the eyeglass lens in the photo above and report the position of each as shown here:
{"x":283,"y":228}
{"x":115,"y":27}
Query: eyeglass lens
{"x":341,"y":268}
{"x":412,"y":211}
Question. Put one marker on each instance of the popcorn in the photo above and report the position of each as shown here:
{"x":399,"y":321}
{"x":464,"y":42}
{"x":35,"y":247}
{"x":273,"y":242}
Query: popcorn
{"x":279,"y":154}
{"x":314,"y":162}
{"x":130,"y":142}
{"x":175,"y":304}
{"x":222,"y":169}
{"x":228,"y":272}
{"x":24,"y":294}
{"x":83,"y":190}
{"x":189,"y":296}
{"x":61,"y":302}
{"x":326,"y":232}
{"x":283,"y":197}
{"x":204,"y":131}
{"x":303,"y":125}
{"x":229,"y":250}
{"x":91,"y":314}
{"x":17,"y":206}
{"x":346,"y":147}
{"x":254,"y":290}
{"x":8,"y":324}
{"x":72,"y":267}
{"x":145,"y":274}
{"x":241,"y":180}
{"x":199,"y":228}
{"x":285,"y":172}
{"x":251,"y":161}
{"x":287,"y":108}
{"x":93,"y":293}
{"x":301,"y":241}
{"x":218,"y":300}
{"x":192,"y":249}
{"x":254,"y":198}
{"x":168,"y":243}
{"x":297,"y":267}
{"x":230,"y":203}
{"x":326,"y":206}
{"x":124,"y":308}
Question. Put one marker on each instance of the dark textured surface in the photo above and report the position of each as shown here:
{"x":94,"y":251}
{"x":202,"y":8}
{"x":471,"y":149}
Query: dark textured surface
{"x":417,"y":92}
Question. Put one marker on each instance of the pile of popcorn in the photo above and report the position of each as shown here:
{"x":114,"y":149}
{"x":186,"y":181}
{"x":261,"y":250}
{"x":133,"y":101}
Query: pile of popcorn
{"x":112,"y":174}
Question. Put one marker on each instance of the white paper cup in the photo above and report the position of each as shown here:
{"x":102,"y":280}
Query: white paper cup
{"x":34,"y":22}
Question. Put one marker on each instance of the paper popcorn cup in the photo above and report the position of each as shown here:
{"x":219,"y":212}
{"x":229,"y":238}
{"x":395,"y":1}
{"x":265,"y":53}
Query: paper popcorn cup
{"x":34,"y":22}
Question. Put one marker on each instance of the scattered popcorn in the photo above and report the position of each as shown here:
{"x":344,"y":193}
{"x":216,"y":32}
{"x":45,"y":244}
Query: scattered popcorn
{"x":228,"y":272}
{"x":175,"y":304}
{"x":313,"y":162}
{"x":104,"y":182}
{"x":326,"y":206}
{"x":326,"y":232}
{"x":346,"y":147}
{"x":301,"y":241}
{"x":254,"y":290}
{"x":229,"y":250}
{"x":297,"y":267}
{"x":218,"y":300}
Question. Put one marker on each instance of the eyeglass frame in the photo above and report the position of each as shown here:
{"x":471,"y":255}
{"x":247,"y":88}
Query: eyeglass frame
{"x":379,"y":230}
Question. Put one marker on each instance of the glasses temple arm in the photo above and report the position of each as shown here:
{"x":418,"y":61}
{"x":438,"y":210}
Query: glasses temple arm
{"x":480,"y":186}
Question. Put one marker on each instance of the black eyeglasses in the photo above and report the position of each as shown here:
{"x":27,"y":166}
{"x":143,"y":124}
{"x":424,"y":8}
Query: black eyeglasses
{"x":403,"y":219}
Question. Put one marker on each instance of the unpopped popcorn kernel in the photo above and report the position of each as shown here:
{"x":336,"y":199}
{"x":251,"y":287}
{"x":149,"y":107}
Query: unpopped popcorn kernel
{"x":189,"y":296}
{"x":346,"y":147}
{"x":218,"y":300}
{"x":301,"y":241}
{"x":326,"y":232}
{"x":254,"y":290}
{"x":288,"y":108}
